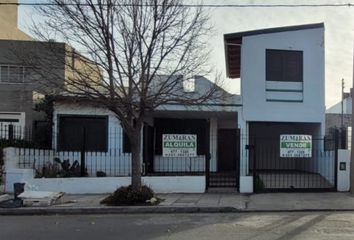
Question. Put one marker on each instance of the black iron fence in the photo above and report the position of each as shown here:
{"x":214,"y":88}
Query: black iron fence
{"x":176,"y":166}
{"x":313,"y":169}
{"x":79,"y":157}
{"x":38,"y":136}
{"x":262,"y":159}
{"x":51,"y":163}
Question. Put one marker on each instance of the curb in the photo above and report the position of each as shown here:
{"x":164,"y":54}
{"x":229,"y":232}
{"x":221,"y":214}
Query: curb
{"x":112,"y":210}
{"x":146,"y":210}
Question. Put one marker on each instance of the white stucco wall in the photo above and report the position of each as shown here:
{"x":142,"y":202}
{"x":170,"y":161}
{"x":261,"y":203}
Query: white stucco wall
{"x":179,"y":184}
{"x":254,"y":84}
{"x":343,"y":176}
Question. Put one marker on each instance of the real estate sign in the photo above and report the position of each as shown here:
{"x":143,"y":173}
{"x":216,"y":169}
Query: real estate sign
{"x":179,"y":145}
{"x":295,"y":146}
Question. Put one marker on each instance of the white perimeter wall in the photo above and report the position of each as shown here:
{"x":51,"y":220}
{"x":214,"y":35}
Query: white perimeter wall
{"x":160,"y":184}
{"x":180,"y":184}
{"x":343,"y":176}
{"x":253,"y":78}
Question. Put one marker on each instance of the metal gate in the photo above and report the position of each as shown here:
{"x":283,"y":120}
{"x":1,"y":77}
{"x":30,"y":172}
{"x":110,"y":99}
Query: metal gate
{"x":273,"y":171}
{"x":226,"y":174}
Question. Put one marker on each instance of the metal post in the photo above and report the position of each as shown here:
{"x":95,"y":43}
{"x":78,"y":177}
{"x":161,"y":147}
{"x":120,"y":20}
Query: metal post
{"x":82,"y":157}
{"x":207,"y":170}
{"x":207,"y":154}
{"x":254,"y":165}
{"x":336,"y":147}
{"x":11,"y":134}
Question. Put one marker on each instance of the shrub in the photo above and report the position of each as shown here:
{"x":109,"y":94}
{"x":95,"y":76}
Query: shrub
{"x":49,"y":170}
{"x":61,"y":169}
{"x":128,"y":196}
{"x":101,"y":174}
{"x":70,"y":170}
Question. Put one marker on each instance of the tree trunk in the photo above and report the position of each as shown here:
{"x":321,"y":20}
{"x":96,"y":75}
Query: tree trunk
{"x":136,"y":159}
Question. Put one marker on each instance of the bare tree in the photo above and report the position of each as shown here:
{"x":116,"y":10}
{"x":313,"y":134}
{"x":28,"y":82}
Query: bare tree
{"x":138,"y":55}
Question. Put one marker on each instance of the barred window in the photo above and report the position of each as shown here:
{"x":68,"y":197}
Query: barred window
{"x":284,"y":65}
{"x":76,"y":132}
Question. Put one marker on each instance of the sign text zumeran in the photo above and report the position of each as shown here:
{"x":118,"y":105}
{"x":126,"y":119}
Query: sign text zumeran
{"x":295,"y":146}
{"x":179,"y":145}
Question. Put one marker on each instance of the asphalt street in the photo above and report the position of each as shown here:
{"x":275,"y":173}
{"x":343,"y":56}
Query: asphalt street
{"x":251,"y":226}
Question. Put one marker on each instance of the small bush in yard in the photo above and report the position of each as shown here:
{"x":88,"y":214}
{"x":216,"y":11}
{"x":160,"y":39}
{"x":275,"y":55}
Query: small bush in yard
{"x":60,"y":169}
{"x":128,"y":196}
{"x":101,"y":174}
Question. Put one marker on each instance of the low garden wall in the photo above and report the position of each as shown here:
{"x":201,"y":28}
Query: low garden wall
{"x":98,"y":185}
{"x":93,"y":185}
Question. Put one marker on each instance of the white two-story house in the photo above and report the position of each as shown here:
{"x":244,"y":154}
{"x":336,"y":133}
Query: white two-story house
{"x":282,"y":76}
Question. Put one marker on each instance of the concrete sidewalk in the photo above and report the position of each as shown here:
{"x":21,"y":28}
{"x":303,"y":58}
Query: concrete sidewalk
{"x":206,"y":202}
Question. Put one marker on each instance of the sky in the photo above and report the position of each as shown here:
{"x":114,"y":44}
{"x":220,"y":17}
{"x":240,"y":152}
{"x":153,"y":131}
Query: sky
{"x":339,"y":37}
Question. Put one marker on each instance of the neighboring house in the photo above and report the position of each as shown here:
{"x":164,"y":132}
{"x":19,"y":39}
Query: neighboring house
{"x":339,"y":117}
{"x":334,"y":114}
{"x":15,"y":115}
{"x":8,"y":22}
{"x":22,"y":82}
{"x":29,"y":69}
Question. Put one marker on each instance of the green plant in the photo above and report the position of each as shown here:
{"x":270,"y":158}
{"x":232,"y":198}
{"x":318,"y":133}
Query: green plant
{"x":128,"y":196}
{"x":61,"y":169}
{"x":49,"y":170}
{"x":46,"y":105}
{"x":69,"y":170}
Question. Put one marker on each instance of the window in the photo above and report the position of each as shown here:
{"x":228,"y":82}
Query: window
{"x":75,"y":131}
{"x":181,"y":126}
{"x":189,"y":85}
{"x":17,"y":120}
{"x":8,"y":120}
{"x":4,"y":73}
{"x":14,"y":118}
{"x":16,"y":74}
{"x":284,"y":65}
{"x":30,"y":74}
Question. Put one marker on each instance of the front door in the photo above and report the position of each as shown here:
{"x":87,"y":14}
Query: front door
{"x":228,"y":150}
